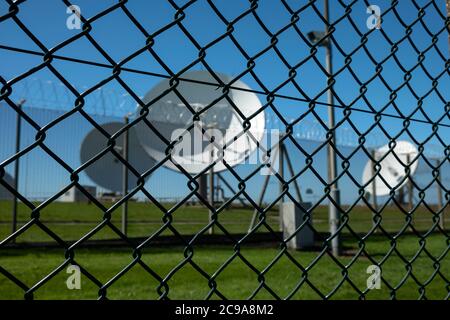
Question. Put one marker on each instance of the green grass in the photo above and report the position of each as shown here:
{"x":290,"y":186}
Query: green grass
{"x":71,"y":221}
{"x":237,"y":280}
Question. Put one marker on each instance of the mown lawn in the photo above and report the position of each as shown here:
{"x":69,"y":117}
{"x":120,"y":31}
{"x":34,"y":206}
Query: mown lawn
{"x":71,"y":221}
{"x":420,"y":278}
{"x":411,"y":267}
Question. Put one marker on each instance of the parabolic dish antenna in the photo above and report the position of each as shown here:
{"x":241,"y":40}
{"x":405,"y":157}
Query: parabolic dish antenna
{"x":107,"y":171}
{"x":4,"y":193}
{"x":170,"y":116}
{"x":392,"y":170}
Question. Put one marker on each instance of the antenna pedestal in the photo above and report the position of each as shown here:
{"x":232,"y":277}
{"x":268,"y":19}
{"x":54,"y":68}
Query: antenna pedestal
{"x":292,"y":218}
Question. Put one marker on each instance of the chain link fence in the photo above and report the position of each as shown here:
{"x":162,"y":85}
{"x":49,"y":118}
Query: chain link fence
{"x":379,"y":71}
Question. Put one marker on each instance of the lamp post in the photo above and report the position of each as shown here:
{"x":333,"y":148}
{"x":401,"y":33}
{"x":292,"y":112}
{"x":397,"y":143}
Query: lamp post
{"x":333,"y":210}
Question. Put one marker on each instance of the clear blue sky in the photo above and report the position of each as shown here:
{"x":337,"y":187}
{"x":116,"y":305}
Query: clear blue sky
{"x":120,"y":38}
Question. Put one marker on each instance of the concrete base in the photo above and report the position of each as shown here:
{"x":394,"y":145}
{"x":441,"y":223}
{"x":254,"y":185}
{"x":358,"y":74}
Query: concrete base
{"x":292,"y":218}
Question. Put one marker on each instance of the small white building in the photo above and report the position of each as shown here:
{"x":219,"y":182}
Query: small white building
{"x":75,"y":195}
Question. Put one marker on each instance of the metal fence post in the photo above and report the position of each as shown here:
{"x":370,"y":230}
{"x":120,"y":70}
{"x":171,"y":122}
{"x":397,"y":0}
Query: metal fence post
{"x":211,"y":195}
{"x":333,"y":210}
{"x":17,"y":167}
{"x":125,"y":180}
{"x":410,"y":190}
{"x":441,"y":202}
{"x":374,"y":188}
{"x":441,"y":220}
{"x":281,"y":184}
{"x":440,"y":205}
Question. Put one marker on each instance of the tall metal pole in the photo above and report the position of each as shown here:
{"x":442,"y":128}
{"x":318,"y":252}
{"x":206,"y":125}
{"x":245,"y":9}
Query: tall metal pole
{"x":125,"y":180}
{"x":211,"y":126}
{"x":441,"y":221}
{"x":333,"y":210}
{"x":439,"y":197}
{"x":17,"y":166}
{"x":281,"y":185}
{"x":410,"y":186}
{"x":211,"y":195}
{"x":410,"y":190}
{"x":374,"y":187}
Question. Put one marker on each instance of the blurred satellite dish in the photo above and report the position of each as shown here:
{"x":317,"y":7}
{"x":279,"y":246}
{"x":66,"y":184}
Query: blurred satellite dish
{"x":4,"y":193}
{"x":391,"y":170}
{"x":170,"y":116}
{"x":107,"y":171}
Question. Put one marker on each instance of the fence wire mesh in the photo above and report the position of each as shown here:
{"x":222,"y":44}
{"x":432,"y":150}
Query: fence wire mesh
{"x":389,"y":82}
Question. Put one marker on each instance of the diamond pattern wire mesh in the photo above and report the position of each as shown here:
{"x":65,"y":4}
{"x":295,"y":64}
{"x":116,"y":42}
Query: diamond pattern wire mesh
{"x":390,"y":110}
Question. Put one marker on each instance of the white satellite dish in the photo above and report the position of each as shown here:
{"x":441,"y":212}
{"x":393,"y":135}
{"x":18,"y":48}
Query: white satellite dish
{"x":170,"y":116}
{"x":107,"y":171}
{"x":392,"y":170}
{"x":4,"y":193}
